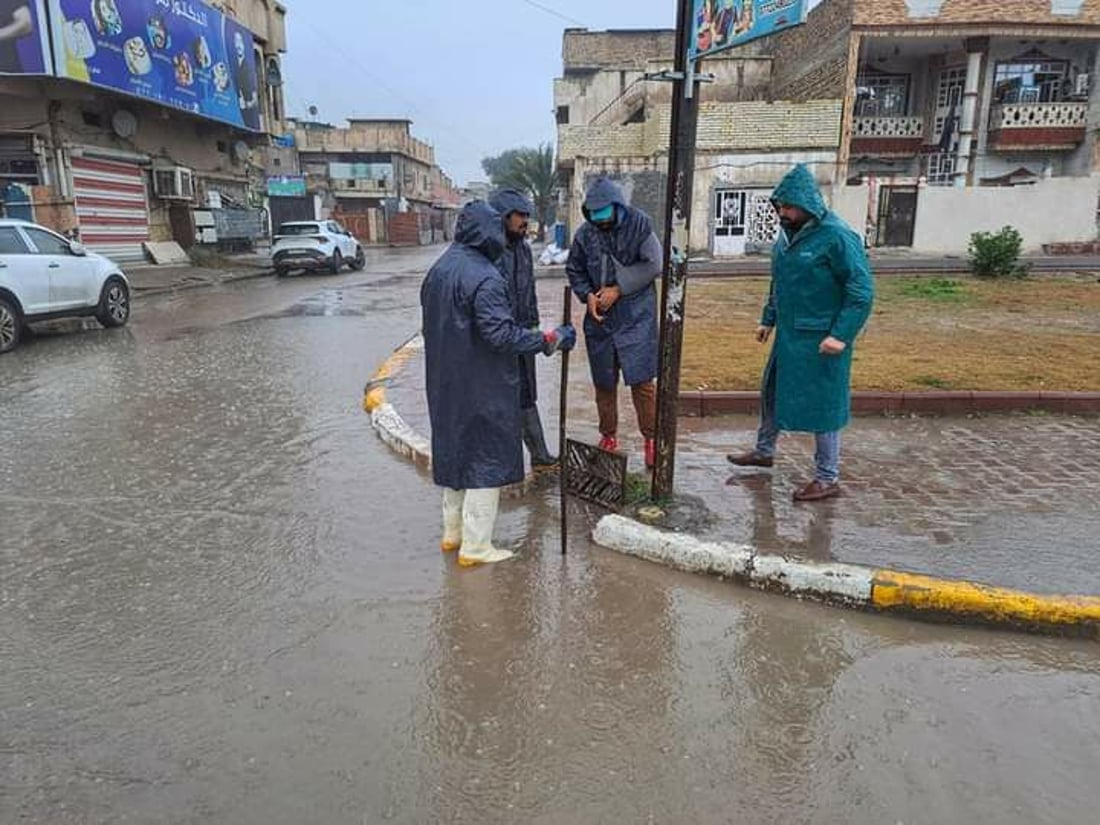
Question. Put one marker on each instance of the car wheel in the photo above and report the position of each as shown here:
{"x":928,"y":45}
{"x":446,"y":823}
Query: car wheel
{"x":11,"y":326}
{"x":281,"y":272}
{"x":337,"y":262}
{"x":360,"y":261}
{"x":114,"y":304}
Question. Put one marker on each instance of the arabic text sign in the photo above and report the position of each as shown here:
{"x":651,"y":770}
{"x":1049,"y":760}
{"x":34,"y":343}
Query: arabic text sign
{"x":722,"y":24}
{"x":26,"y":52}
{"x":179,"y":53}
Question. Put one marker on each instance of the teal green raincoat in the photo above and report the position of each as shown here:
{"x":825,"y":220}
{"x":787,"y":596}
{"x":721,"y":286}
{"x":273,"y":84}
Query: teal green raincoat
{"x":821,"y":286}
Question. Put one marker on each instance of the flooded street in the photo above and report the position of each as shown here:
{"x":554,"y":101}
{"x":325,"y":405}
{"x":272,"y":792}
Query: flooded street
{"x":221,"y":601}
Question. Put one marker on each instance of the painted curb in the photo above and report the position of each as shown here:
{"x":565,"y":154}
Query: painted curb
{"x":848,"y":585}
{"x":395,"y":432}
{"x":708,"y":404}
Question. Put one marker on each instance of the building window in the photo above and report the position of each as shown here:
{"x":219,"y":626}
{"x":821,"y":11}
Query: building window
{"x":563,"y":115}
{"x":1035,"y":80}
{"x":882,"y":95}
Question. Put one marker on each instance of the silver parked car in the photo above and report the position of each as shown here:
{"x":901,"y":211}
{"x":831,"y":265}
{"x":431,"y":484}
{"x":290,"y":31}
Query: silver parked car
{"x":44,"y":276}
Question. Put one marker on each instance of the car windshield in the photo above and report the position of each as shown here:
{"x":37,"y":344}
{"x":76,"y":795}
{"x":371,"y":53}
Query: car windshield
{"x":297,"y":229}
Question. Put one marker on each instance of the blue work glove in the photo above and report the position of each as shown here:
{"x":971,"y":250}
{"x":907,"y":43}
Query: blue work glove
{"x":563,"y":338}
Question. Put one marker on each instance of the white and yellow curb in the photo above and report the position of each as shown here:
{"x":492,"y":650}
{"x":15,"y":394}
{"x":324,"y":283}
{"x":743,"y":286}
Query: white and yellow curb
{"x":395,"y":432}
{"x":848,"y":585}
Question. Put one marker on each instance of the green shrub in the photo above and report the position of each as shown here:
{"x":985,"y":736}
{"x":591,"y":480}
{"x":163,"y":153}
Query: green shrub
{"x":935,"y":289}
{"x":997,"y":254}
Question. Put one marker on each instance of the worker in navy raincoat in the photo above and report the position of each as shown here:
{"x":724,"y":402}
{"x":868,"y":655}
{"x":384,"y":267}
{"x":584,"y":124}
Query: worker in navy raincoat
{"x":471,"y":346}
{"x":613,"y":263}
{"x":821,"y":296}
{"x":518,"y":265}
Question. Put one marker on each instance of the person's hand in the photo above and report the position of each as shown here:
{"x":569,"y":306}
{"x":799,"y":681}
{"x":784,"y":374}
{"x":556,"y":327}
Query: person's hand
{"x":594,"y":307}
{"x":763,"y":333}
{"x":832,"y":346}
{"x":563,"y":338}
{"x":607,"y":297}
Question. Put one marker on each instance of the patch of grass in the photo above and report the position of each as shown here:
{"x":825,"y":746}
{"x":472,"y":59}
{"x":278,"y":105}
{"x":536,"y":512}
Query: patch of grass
{"x":933,"y":381}
{"x":1042,"y":333}
{"x":935,"y":289}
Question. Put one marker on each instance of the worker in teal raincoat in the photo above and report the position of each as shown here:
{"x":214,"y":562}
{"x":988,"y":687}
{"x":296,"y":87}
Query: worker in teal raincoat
{"x":821,"y":295}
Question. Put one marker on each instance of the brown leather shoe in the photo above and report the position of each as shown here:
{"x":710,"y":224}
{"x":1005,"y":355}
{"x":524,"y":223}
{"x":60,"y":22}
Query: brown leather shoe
{"x":817,"y":491}
{"x":751,"y":459}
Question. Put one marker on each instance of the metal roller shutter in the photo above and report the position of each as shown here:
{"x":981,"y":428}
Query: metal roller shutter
{"x":112,"y":208}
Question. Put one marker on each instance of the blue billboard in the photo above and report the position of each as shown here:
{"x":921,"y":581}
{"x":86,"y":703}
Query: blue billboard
{"x":24,"y":39}
{"x":718,"y":25}
{"x":180,"y":53}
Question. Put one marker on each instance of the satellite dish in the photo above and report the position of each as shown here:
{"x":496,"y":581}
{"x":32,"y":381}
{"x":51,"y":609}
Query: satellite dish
{"x":241,"y":152}
{"x":313,"y":111}
{"x":124,"y":123}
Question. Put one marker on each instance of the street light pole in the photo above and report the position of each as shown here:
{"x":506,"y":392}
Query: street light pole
{"x":677,"y":230}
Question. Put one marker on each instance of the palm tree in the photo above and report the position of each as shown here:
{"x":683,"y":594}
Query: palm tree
{"x":530,"y":171}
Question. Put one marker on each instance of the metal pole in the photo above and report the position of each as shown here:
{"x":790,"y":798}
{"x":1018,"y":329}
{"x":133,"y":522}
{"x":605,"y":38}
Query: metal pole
{"x":681,"y":178}
{"x":563,"y":410}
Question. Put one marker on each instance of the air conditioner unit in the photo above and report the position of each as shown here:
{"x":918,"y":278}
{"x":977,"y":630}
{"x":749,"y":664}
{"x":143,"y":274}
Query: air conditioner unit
{"x":174,"y":183}
{"x":1082,"y":84}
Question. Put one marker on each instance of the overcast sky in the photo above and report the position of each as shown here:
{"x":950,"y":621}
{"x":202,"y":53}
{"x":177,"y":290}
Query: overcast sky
{"x":475,"y":77}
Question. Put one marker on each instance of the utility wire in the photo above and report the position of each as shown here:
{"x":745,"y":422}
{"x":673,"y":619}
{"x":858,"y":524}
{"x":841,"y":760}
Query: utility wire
{"x":555,"y":13}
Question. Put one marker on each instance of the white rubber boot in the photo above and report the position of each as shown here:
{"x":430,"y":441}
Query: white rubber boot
{"x":452,"y":520}
{"x":479,"y":516}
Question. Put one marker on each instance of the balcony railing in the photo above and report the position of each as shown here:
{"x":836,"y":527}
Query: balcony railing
{"x":902,"y":128}
{"x":1039,"y":116}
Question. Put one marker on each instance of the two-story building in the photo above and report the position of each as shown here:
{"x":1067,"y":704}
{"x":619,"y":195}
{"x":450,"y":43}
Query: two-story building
{"x":962,"y":116}
{"x":923,"y":120}
{"x":379,"y":179}
{"x":128,"y":121}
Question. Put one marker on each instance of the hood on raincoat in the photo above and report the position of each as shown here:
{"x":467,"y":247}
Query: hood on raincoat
{"x":799,"y":189}
{"x":602,"y":194}
{"x":507,"y":201}
{"x":632,"y":226}
{"x":480,"y":227}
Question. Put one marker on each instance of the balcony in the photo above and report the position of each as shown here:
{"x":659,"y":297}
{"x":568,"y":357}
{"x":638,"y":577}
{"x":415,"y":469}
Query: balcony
{"x":887,"y":136}
{"x":1052,"y":127}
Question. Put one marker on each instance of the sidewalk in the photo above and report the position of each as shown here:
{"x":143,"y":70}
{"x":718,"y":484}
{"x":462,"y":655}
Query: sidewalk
{"x":1003,"y":500}
{"x":892,"y":262}
{"x":147,"y":279}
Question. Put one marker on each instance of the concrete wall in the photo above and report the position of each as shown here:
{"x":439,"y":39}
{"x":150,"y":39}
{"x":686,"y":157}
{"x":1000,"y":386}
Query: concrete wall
{"x":1061,"y":210}
{"x":939,"y":12}
{"x":811,"y":61}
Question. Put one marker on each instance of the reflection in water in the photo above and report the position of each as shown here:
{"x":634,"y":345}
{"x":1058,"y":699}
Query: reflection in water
{"x":818,"y":542}
{"x":550,"y":675}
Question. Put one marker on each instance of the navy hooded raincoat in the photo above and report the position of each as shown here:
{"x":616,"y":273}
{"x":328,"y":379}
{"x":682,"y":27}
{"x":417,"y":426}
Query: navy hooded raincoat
{"x":471,"y":344}
{"x":629,"y":256}
{"x":518,"y":265}
{"x":821,"y":286}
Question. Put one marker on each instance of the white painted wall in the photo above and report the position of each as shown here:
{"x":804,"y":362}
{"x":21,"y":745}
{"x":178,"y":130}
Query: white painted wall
{"x":1060,"y":210}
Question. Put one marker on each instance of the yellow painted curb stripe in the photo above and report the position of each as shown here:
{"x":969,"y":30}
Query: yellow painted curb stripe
{"x":893,"y":590}
{"x":374,"y":396}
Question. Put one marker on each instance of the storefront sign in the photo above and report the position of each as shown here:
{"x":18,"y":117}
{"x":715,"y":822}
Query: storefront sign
{"x":180,"y":53}
{"x":722,"y":24}
{"x":287,"y":186}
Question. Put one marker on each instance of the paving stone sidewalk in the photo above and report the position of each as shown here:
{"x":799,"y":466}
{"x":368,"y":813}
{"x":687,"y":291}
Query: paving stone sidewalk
{"x":1005,"y":500}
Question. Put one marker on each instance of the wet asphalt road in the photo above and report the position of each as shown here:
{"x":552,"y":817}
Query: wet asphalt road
{"x":221,"y":602}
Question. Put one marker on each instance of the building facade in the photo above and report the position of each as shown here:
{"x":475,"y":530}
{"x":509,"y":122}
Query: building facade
{"x":378,"y":179}
{"x":129,"y":121}
{"x":924,"y":120}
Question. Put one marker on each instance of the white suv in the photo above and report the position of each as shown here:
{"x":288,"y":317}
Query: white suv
{"x":44,"y":276}
{"x":315,"y":245}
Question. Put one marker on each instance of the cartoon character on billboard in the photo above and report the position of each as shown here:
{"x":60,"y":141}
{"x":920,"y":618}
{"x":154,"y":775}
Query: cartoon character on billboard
{"x":203,"y":58}
{"x":138,"y":59}
{"x":185,"y":74}
{"x":248,"y":96}
{"x":158,"y":34}
{"x":704,"y":26}
{"x":221,"y":77}
{"x":106,"y":18}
